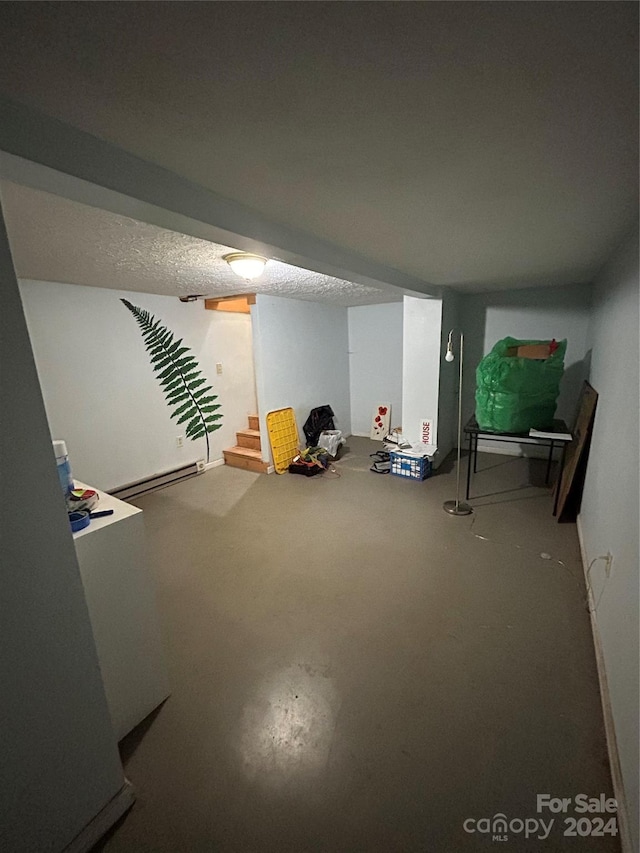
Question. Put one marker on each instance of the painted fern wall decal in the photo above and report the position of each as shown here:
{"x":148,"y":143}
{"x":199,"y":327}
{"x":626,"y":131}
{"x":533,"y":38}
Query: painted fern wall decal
{"x":179,"y":376}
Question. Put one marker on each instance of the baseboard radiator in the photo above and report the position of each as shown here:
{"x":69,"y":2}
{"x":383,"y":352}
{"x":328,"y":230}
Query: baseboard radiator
{"x":157,"y":481}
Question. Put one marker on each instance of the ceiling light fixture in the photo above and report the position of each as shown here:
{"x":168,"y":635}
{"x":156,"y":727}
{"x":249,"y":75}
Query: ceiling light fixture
{"x":245,"y":264}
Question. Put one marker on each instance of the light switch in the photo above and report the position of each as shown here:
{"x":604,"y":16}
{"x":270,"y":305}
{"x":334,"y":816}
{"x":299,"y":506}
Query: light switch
{"x":219,"y":368}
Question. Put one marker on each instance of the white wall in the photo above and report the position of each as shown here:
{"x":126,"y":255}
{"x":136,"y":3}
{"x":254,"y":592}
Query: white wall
{"x":301,"y":360}
{"x":610,"y":505}
{"x":375,"y":362}
{"x":100,"y":392}
{"x":534,"y":313}
{"x":60,"y":764}
{"x":422,"y":332}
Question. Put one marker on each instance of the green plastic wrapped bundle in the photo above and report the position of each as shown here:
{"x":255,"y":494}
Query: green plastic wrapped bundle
{"x":516,"y":394}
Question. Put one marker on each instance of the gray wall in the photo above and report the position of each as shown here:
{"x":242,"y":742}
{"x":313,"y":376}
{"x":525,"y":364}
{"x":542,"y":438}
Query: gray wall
{"x":60,"y":763}
{"x":532,"y":313}
{"x":610,"y":506}
{"x":375,"y":363}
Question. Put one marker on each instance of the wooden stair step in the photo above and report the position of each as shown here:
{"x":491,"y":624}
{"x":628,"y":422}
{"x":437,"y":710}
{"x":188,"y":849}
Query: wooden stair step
{"x":249,"y":438}
{"x":254,"y":422}
{"x":246,"y":458}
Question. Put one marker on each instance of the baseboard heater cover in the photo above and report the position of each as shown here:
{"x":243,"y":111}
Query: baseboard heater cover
{"x":158,"y":481}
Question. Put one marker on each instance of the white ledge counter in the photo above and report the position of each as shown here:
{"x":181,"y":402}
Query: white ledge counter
{"x":120,"y":595}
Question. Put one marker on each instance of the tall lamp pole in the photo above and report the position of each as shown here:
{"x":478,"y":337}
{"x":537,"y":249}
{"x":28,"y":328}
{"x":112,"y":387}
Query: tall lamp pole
{"x":457,"y":507}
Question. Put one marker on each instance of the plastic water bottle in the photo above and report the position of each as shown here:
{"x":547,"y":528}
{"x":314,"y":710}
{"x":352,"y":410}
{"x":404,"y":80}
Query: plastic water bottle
{"x":64,"y":469}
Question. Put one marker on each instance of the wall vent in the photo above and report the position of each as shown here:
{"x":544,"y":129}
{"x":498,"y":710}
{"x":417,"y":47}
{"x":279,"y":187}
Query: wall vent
{"x":158,"y":481}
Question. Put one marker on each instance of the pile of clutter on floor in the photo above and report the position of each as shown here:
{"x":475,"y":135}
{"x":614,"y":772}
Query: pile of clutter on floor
{"x":382,"y":458}
{"x":401,"y":457}
{"x":397,"y":456}
{"x":323,"y":443}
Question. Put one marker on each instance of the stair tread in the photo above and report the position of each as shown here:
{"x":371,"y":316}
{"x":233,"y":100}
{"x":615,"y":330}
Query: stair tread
{"x":246,"y":458}
{"x":250,"y":433}
{"x":244,"y":451}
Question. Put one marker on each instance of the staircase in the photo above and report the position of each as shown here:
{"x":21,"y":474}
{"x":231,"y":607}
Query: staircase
{"x":246,"y":454}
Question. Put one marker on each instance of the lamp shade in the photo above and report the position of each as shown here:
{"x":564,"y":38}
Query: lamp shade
{"x":246,"y":265}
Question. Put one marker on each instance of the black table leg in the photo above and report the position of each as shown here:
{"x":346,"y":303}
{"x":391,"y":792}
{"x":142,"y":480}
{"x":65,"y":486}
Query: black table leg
{"x":559,"y":479}
{"x":469,"y":463}
{"x":475,"y":455}
{"x":546,"y":479}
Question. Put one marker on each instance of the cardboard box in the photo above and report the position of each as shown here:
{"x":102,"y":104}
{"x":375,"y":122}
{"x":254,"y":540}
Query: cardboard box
{"x":536,"y":351}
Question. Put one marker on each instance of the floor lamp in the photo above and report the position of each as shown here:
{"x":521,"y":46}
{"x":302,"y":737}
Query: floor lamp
{"x":457,"y":507}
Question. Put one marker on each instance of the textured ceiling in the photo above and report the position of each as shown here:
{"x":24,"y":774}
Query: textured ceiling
{"x":54,"y":239}
{"x":479,"y":145}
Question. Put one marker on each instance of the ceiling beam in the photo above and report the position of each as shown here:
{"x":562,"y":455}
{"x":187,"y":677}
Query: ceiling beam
{"x":44,"y":153}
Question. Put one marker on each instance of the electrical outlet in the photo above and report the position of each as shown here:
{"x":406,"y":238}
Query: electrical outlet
{"x":608,"y":564}
{"x":179,"y":441}
{"x":219,"y":368}
{"x":200,"y":466}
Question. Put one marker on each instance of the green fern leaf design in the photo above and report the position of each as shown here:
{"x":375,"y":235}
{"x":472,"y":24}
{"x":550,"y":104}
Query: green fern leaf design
{"x":187,"y":415}
{"x":179,"y":376}
{"x":182,"y":409}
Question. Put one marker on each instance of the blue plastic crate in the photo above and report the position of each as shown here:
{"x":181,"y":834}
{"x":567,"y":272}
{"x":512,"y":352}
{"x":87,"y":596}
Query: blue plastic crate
{"x":412,"y":467}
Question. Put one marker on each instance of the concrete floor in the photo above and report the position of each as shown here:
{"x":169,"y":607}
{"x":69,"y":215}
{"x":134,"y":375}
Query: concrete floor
{"x":354,"y":670}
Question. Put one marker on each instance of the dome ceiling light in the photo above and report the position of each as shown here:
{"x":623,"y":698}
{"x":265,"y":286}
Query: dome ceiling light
{"x":246,"y":265}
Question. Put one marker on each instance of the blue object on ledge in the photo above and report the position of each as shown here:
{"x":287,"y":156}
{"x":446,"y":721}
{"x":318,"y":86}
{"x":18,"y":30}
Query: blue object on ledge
{"x":79,"y":520}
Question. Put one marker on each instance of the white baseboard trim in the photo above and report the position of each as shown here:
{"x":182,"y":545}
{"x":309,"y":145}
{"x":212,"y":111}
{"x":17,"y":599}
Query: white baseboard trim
{"x":88,"y":837}
{"x":215,"y":464}
{"x":218,"y":462}
{"x":607,"y":711}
